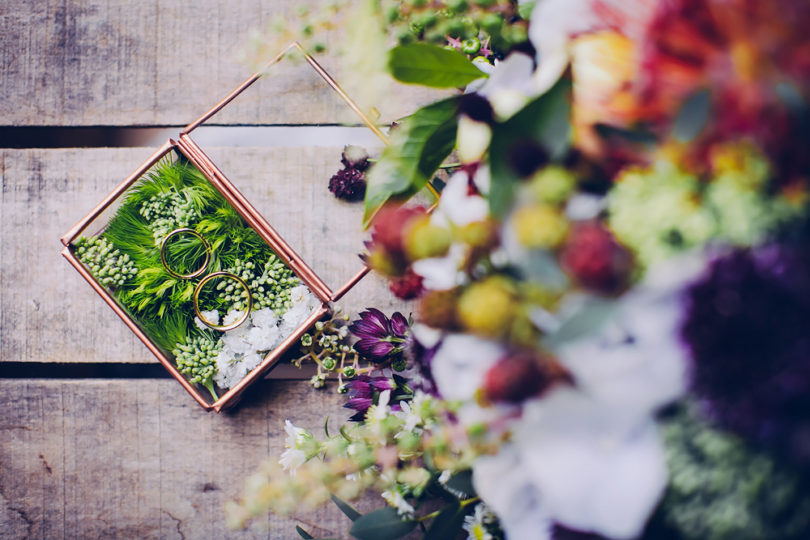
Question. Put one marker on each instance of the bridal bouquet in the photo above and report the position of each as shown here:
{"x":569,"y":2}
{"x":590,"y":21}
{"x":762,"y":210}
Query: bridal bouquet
{"x":612,"y":327}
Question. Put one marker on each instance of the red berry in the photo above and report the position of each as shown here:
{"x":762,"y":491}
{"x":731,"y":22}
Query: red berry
{"x":520,"y":376}
{"x":595,"y":259}
{"x":407,"y":286}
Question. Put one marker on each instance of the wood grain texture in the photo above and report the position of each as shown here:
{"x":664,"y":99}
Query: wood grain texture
{"x":48,"y":313}
{"x":164,"y":62}
{"x":138,"y":459}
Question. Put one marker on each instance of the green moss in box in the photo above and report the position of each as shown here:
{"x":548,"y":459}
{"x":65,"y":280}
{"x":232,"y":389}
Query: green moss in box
{"x":126,"y":259}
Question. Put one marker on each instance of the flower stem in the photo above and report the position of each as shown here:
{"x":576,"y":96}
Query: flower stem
{"x":462,"y":504}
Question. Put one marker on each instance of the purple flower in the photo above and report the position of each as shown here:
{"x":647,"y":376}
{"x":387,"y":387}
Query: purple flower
{"x":380,"y":338}
{"x":747,"y":329}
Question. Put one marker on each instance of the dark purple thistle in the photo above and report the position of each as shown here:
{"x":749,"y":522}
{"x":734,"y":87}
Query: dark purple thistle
{"x":379,"y":338}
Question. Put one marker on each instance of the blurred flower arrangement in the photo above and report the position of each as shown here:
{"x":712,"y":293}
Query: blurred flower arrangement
{"x":613,"y":288}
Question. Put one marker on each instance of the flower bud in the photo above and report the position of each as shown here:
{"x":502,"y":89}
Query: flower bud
{"x":540,"y":226}
{"x":488,"y":307}
{"x":423,"y":239}
{"x":553,"y":184}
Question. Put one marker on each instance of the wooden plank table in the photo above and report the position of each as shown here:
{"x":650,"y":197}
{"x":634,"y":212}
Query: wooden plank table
{"x":133,"y":456}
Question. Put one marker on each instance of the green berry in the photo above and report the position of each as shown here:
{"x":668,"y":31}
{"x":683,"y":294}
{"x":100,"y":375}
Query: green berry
{"x":471,"y":45}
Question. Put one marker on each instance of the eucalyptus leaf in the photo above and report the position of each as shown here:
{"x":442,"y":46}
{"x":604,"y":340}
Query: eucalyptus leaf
{"x":346,"y":508}
{"x":382,"y":524}
{"x":692,"y":117}
{"x":544,"y":121}
{"x":418,"y":146}
{"x":303,"y":534}
{"x":447,"y":524}
{"x":586,"y":320}
{"x":431,"y":65}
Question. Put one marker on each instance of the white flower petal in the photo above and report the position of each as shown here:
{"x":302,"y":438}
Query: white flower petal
{"x":596,"y":470}
{"x":501,"y":482}
{"x":460,"y":364}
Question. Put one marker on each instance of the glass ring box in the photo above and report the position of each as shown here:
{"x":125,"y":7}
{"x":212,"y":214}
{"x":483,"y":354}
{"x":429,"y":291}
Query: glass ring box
{"x":196,"y":272}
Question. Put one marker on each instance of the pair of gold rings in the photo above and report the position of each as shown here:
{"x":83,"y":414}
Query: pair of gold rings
{"x":200,"y":271}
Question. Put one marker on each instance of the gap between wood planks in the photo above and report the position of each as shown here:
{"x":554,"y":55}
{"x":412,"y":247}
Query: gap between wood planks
{"x":288,"y":136}
{"x":99,"y":370}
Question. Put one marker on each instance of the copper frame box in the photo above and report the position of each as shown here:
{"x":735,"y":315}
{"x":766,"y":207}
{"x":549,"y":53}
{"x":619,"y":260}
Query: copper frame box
{"x":185,"y":146}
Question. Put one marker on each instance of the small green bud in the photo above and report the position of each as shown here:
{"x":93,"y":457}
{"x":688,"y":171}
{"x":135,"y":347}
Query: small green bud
{"x":349,"y":371}
{"x":329,"y":363}
{"x":399,"y":364}
{"x":471,"y":46}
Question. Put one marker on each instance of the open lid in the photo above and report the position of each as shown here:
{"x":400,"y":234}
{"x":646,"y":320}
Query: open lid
{"x":268,"y":179}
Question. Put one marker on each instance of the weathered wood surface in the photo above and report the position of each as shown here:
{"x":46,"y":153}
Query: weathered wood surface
{"x":95,"y":62}
{"x":48,"y":313}
{"x":139,"y":459}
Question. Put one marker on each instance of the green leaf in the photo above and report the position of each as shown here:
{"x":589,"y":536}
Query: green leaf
{"x":588,"y":319}
{"x":461,"y":482}
{"x":383,"y":524}
{"x":546,"y":121}
{"x":346,"y":508}
{"x":418,"y":146}
{"x":447,"y":524}
{"x":431,"y":65}
{"x":303,"y":534}
{"x":692,"y":117}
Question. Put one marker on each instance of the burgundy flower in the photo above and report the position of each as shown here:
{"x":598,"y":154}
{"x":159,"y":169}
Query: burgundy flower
{"x":348,"y":184}
{"x":408,"y":286}
{"x":355,"y":157}
{"x":380,"y":338}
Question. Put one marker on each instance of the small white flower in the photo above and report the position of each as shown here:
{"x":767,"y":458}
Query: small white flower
{"x":394,"y":498}
{"x":444,"y":477}
{"x":232,"y":316}
{"x":475,"y":525}
{"x":293,"y":457}
{"x":510,"y":86}
{"x":210,"y":316}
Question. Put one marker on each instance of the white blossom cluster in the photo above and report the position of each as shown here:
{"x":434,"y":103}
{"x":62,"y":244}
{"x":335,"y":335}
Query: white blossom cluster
{"x":244,"y":347}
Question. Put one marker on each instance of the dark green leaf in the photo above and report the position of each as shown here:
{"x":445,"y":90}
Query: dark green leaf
{"x":631,"y":135}
{"x":303,"y":534}
{"x":326,"y":427}
{"x":383,"y":524}
{"x":692,"y":117}
{"x":431,"y":65}
{"x":447,"y":524}
{"x":544,"y":121}
{"x":346,"y":508}
{"x":418,"y":146}
{"x":461,"y":482}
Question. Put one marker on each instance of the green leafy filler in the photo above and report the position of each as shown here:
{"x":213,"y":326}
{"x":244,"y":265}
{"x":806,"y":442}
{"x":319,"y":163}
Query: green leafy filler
{"x":125,"y":258}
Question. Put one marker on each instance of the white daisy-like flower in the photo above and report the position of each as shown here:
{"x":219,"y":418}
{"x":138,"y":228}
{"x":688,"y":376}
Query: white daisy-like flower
{"x":476,"y":524}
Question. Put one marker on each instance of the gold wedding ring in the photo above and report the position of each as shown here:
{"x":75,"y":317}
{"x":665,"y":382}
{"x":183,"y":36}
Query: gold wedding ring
{"x":224,"y":327}
{"x":192,"y":232}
